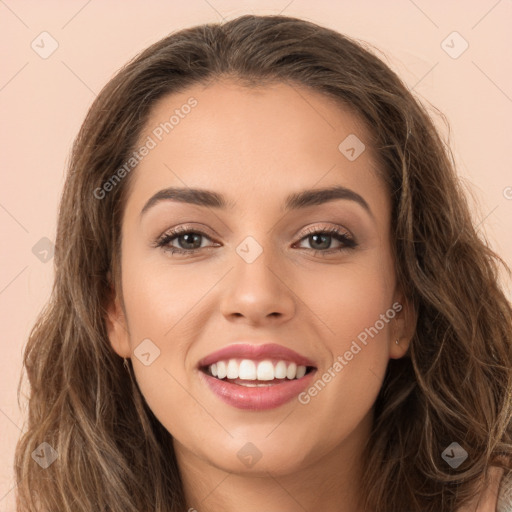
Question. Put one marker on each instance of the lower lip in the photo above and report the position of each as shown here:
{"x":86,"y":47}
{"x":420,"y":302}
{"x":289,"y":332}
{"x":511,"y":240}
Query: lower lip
{"x":257,"y":398}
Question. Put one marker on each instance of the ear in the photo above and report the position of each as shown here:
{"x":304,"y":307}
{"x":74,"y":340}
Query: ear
{"x":403,"y":326}
{"x":117,"y":327}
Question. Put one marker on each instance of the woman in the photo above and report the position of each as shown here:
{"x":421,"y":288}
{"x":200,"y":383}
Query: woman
{"x":264,"y":224}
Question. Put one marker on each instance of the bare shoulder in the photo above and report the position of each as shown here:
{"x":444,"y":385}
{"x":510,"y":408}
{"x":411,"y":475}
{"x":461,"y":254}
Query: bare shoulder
{"x":505,"y":494}
{"x":496,"y":497}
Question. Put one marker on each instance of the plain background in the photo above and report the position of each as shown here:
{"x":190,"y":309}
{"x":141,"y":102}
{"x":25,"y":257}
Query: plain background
{"x":43,"y":102}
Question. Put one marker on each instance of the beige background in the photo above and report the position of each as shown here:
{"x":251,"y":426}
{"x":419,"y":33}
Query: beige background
{"x":44,"y":100}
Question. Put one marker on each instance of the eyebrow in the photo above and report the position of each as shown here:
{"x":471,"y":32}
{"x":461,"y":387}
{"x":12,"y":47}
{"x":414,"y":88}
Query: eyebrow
{"x":294,"y":201}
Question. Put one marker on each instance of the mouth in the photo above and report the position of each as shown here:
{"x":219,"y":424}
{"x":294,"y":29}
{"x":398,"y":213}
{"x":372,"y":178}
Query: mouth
{"x":256,"y":377}
{"x":254,"y":373}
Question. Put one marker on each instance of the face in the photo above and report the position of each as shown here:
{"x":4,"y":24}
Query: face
{"x":263,"y":269}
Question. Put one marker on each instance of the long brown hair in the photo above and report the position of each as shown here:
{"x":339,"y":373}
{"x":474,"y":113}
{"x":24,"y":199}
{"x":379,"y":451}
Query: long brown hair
{"x":455,"y":383}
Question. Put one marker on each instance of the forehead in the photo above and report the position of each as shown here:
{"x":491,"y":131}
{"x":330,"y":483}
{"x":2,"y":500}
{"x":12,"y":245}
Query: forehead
{"x":225,"y":112}
{"x":270,"y":139}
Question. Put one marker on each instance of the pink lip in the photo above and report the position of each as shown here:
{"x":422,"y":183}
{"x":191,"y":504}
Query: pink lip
{"x":257,"y":398}
{"x":256,"y":353}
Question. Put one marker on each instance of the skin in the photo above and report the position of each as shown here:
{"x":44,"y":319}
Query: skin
{"x":256,"y":146}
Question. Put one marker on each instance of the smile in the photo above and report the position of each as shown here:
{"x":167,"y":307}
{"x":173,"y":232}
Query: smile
{"x":256,"y":382}
{"x":247,"y":369}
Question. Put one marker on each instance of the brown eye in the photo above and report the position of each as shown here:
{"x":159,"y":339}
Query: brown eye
{"x":186,"y":241}
{"x":321,"y":240}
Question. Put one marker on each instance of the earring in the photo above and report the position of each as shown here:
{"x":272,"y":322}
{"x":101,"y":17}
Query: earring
{"x":125,"y":364}
{"x":396,"y":341}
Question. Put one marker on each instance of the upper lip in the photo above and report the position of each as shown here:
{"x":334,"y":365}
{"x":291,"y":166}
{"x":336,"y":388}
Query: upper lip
{"x":256,"y":353}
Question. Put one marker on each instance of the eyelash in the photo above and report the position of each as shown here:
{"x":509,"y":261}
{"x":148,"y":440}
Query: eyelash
{"x":341,"y":236}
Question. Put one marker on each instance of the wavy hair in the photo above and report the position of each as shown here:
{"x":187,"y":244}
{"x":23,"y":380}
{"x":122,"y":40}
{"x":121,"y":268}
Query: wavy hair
{"x":455,"y":382}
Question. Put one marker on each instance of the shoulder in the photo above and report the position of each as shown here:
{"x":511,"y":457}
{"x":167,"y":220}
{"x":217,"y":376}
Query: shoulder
{"x":496,"y":497}
{"x":504,"y":503}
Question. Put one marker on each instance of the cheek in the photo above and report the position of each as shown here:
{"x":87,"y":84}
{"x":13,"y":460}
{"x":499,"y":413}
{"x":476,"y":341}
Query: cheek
{"x":159,"y":297}
{"x":360,"y":315}
{"x":355,"y":306}
{"x":350,"y":298}
{"x":161,"y":304}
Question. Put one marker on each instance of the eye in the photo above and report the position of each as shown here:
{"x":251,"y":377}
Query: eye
{"x":184,"y":240}
{"x":189,"y":241}
{"x":321,"y":239}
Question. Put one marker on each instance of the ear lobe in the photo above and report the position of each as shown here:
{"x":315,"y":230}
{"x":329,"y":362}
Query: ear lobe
{"x":117,"y":327}
{"x":404,"y":326}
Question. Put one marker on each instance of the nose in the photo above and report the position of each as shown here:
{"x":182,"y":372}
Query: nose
{"x":258,"y":292}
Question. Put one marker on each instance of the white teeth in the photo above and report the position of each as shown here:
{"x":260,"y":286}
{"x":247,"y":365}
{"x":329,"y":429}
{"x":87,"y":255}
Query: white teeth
{"x":246,"y":369}
{"x":221,"y":369}
{"x":292,"y":371}
{"x":232,"y":372}
{"x":265,"y":370}
{"x":280,"y":371}
{"x":301,"y":371}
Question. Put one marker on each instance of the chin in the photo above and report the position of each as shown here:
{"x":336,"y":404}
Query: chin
{"x":259,"y":458}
